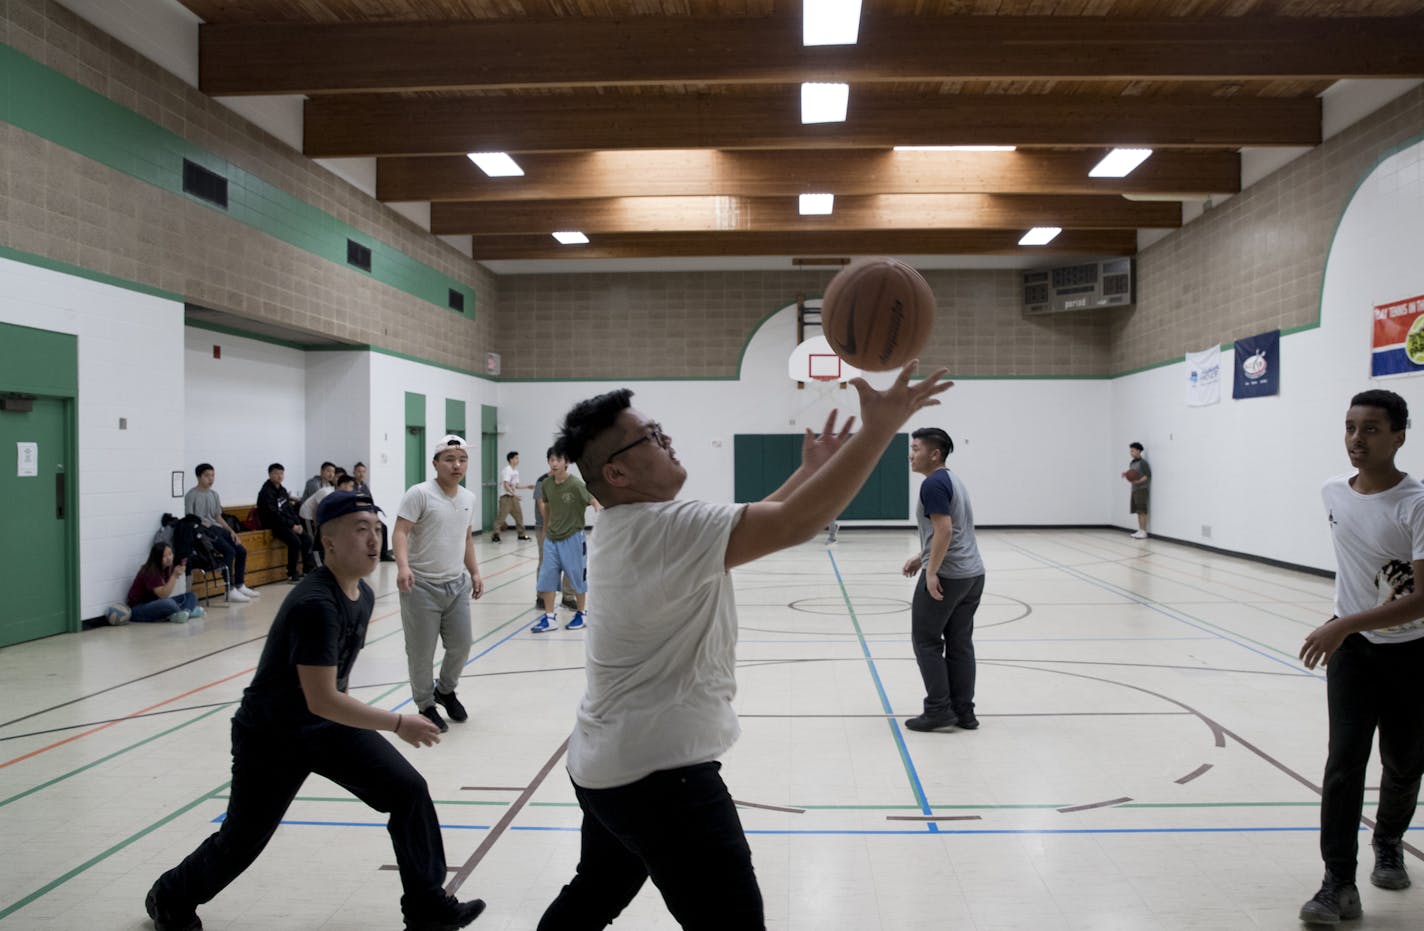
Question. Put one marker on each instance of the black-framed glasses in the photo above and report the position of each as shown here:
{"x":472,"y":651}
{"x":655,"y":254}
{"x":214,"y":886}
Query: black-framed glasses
{"x":655,"y":434}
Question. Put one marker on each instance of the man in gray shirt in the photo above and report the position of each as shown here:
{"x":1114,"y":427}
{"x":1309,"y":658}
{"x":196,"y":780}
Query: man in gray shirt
{"x":202,"y":500}
{"x":949,"y":588}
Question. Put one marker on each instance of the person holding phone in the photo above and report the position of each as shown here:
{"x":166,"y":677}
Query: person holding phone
{"x":151,"y":595}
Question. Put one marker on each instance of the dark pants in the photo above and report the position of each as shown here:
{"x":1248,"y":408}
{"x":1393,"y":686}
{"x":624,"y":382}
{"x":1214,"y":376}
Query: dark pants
{"x":268,"y":771}
{"x":678,"y":826}
{"x":943,"y":636}
{"x":234,"y":556}
{"x":297,"y":545}
{"x":1369,"y":686}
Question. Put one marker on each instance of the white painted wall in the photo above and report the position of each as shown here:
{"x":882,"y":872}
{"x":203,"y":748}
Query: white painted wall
{"x":244,"y":411}
{"x":338,"y":406}
{"x":1252,"y":469}
{"x":130,"y":366}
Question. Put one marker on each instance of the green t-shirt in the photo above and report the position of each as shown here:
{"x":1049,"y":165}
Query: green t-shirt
{"x":567,"y":503}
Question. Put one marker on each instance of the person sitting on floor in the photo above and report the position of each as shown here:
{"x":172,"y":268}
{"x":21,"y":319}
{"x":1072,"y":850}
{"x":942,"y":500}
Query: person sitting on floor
{"x":151,"y":594}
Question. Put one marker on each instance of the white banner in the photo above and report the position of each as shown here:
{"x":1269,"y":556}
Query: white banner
{"x":1204,"y":377}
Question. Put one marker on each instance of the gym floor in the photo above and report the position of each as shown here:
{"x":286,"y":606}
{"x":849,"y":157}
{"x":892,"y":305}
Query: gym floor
{"x":1149,"y":754}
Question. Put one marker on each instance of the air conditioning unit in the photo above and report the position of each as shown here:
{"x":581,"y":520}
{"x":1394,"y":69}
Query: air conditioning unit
{"x":1080,"y":287}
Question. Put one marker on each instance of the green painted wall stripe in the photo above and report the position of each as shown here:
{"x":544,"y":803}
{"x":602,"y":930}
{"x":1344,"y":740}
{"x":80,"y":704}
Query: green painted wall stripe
{"x":44,"y":102}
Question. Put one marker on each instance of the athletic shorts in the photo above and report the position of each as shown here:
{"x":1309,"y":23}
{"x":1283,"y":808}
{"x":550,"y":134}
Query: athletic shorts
{"x":569,"y":556}
{"x":1138,"y":503}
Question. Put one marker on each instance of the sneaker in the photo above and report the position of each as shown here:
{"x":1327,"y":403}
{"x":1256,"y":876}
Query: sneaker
{"x":831,"y":533}
{"x":117,"y":615}
{"x":1140,"y":535}
{"x":966,"y":721}
{"x":178,"y":617}
{"x":435,"y":718}
{"x":165,"y":920}
{"x":577,"y":623}
{"x":494,"y":538}
{"x":294,"y":579}
{"x":388,"y":556}
{"x":927,"y":722}
{"x":1389,"y":870}
{"x":525,"y":537}
{"x":197,"y":612}
{"x":237,"y":596}
{"x":1334,"y":902}
{"x":452,"y":706}
{"x":449,"y":915}
{"x":249,"y":592}
{"x":547,"y":622}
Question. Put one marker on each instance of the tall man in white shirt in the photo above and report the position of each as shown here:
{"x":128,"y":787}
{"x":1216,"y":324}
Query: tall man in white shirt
{"x":660,"y":665}
{"x":437,"y":575}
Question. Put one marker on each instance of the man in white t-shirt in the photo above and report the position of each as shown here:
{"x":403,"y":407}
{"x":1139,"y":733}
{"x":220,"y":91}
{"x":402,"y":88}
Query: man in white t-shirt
{"x":660,"y":663}
{"x":1374,"y":650}
{"x":437,"y":575}
{"x":509,"y":498}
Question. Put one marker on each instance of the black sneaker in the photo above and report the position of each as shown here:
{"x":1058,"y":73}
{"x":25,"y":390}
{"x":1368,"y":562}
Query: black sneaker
{"x":1389,"y":865}
{"x":452,"y":706}
{"x":927,"y":722}
{"x":449,"y":915}
{"x":966,"y":721}
{"x":1336,"y":901}
{"x":165,"y":920}
{"x":435,"y":718}
{"x":388,"y":556}
{"x":494,"y":538}
{"x":525,"y":537}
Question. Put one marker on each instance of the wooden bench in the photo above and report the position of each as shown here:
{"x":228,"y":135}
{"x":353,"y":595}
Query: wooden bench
{"x":266,"y":558}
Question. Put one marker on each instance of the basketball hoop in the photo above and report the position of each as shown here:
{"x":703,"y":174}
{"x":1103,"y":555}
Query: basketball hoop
{"x":814,"y":361}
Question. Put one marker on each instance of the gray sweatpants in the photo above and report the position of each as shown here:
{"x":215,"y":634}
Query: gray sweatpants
{"x":428,"y":610}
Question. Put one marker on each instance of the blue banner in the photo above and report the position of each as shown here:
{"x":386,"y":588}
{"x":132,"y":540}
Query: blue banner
{"x":1258,"y":366}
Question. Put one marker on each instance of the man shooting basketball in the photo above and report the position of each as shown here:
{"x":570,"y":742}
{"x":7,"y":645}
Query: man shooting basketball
{"x":660,"y":664}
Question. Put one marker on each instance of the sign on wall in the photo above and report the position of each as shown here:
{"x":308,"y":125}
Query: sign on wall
{"x":1204,"y":377}
{"x":1397,"y":340}
{"x":1258,"y":366}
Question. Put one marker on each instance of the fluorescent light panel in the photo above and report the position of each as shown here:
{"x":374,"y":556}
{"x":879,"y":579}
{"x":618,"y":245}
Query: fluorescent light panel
{"x":571,"y":238}
{"x":817,"y":204}
{"x":824,"y":103}
{"x":496,"y":164}
{"x":1119,"y":163}
{"x":830,"y":22}
{"x":1040,"y":235}
{"x":955,"y":148}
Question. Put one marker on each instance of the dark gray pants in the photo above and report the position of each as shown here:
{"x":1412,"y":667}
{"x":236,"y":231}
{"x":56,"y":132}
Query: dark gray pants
{"x":434,"y":611}
{"x":943,"y":636}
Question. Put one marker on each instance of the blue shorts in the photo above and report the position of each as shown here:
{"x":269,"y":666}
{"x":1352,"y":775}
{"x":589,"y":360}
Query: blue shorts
{"x":569,"y":556}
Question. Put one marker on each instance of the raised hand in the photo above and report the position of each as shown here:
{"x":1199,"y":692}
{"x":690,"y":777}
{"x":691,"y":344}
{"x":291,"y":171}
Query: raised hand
{"x":816,"y":448}
{"x":895,"y":404}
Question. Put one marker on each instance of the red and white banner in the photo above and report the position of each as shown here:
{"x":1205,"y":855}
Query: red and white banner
{"x":1397,"y":342}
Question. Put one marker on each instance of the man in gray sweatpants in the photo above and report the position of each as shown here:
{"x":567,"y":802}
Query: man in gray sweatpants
{"x":435,"y":550}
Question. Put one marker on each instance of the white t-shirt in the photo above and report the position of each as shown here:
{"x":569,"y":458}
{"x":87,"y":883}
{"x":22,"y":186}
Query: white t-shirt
{"x":661,"y":652}
{"x":436,"y":550}
{"x":509,"y":479}
{"x":308,"y":509}
{"x":1376,"y":538}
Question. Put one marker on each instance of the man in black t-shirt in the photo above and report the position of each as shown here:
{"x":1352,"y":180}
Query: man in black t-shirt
{"x":296,"y":719}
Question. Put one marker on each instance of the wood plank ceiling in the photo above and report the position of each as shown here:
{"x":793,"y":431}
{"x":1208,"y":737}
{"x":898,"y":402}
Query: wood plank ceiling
{"x":672,"y":127}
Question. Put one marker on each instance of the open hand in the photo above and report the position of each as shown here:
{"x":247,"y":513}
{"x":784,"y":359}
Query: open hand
{"x":911,"y":566}
{"x":1322,"y":642}
{"x":895,"y":404}
{"x":816,"y":448}
{"x":418,"y":730}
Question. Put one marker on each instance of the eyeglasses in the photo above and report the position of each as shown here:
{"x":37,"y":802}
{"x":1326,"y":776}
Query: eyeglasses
{"x":655,"y":434}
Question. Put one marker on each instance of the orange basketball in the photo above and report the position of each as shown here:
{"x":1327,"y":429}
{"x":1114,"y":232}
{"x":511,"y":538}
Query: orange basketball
{"x":877,"y":313}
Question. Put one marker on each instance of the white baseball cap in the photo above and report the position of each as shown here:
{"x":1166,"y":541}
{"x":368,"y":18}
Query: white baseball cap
{"x":448,"y":441}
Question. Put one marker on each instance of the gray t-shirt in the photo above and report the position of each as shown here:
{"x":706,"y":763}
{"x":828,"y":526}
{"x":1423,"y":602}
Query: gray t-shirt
{"x":442,"y":525}
{"x":943,"y":493}
{"x":205,"y":503}
{"x":1140,"y":466}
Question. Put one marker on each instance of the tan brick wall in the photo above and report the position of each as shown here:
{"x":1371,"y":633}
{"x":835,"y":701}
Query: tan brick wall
{"x":65,"y":207}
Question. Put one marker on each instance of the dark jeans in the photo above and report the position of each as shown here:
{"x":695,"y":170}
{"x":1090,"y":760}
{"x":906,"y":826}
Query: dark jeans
{"x":678,"y":826}
{"x":943,"y":636}
{"x":297,"y":544}
{"x":1369,"y":686}
{"x":234,"y":556}
{"x":267,"y":772}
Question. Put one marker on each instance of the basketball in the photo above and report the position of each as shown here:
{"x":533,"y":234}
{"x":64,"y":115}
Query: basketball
{"x":877,"y":313}
{"x":1131,"y":475}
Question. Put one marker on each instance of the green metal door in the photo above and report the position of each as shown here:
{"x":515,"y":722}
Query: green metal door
{"x":36,"y":574}
{"x":761,"y":462}
{"x":489,"y":465}
{"x":415,"y":451}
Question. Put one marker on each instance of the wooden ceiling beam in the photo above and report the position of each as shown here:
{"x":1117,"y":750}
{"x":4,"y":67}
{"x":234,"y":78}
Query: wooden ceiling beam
{"x":321,"y":58}
{"x":364,"y":125}
{"x":672,"y":172}
{"x":1096,"y":243}
{"x":767,"y":214}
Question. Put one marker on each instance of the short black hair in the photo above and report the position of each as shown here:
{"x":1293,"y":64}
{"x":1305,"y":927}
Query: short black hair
{"x":325,"y":464}
{"x":345,"y":479}
{"x":274,"y":467}
{"x":203,"y":467}
{"x":1389,"y":402}
{"x":584,"y":422}
{"x":509,"y":456}
{"x":359,"y":465}
{"x":937,"y":438}
{"x":1136,"y":446}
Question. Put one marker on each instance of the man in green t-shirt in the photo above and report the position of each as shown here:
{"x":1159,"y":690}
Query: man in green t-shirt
{"x":562,"y":500}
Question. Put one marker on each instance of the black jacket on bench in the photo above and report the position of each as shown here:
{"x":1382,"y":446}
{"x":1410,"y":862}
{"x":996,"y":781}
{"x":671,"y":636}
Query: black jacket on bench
{"x":274,"y":507}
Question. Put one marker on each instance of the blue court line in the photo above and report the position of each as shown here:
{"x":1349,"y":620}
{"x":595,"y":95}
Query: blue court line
{"x":894,"y":723}
{"x":1294,"y":666}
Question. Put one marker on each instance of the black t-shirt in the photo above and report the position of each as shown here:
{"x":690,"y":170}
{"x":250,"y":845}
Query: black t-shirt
{"x":317,"y":625}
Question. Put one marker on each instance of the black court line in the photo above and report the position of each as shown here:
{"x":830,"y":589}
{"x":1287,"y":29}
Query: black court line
{"x":492,"y":788}
{"x":933,"y":818}
{"x":1107,"y":804}
{"x":791,"y":811}
{"x":1200,"y":770}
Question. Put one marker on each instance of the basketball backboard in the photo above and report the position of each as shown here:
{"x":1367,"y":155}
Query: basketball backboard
{"x":815,"y":361}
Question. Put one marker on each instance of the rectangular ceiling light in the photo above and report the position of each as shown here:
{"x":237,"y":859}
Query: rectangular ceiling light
{"x":817,"y":204}
{"x":1119,"y":163}
{"x":496,"y":164}
{"x":824,"y":103}
{"x":830,"y":22}
{"x":1040,"y":235}
{"x":955,"y":148}
{"x":571,"y":238}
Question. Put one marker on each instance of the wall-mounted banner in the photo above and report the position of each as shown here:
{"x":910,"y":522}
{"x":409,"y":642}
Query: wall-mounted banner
{"x":1397,"y":344}
{"x":1204,"y":377}
{"x":1258,"y":366}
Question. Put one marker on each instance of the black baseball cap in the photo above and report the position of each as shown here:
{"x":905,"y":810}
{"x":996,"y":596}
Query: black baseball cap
{"x":340,"y":503}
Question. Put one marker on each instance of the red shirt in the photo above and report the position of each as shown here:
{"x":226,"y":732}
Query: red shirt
{"x":141,"y":591}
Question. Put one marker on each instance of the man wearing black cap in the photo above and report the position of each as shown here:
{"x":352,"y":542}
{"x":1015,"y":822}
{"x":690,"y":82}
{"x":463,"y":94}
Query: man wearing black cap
{"x":296,"y":719}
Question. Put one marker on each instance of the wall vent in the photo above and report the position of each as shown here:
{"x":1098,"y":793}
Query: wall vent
{"x":457,"y":300}
{"x":358,"y":255}
{"x":204,"y":184}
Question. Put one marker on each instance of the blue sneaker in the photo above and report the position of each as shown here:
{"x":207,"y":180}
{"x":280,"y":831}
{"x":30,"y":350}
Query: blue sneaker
{"x":577,"y":623}
{"x":197,"y":612}
{"x":546,"y":624}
